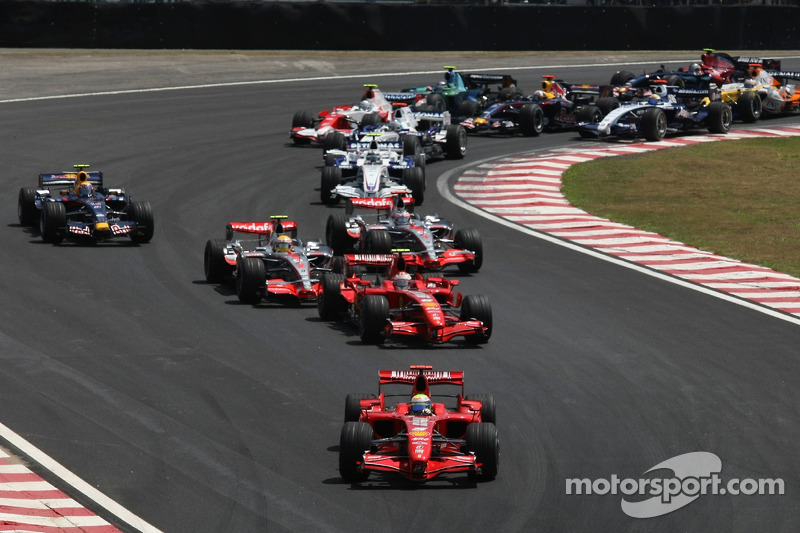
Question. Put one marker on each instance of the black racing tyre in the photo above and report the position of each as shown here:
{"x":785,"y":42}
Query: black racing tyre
{"x":329,"y":159}
{"x":436,"y":102}
{"x":455,"y":144}
{"x":414,"y":179}
{"x":330,"y":303}
{"x":531,"y":120}
{"x":336,"y":235}
{"x":214,"y":264}
{"x":412,"y":145}
{"x":335,"y":140}
{"x":483,"y":441}
{"x":352,"y":406}
{"x":378,"y":241}
{"x":302,"y":119}
{"x":372,"y":318}
{"x":331,"y":177}
{"x":477,"y":307}
{"x":621,"y":77}
{"x":720,"y":117}
{"x":421,"y":162}
{"x":654,"y":124}
{"x":675,"y":81}
{"x":371,"y":119}
{"x":250,"y":278}
{"x":468,"y":108}
{"x":26,"y":207}
{"x":749,"y":106}
{"x":590,"y":114}
{"x":607,"y":104}
{"x":141,"y":213}
{"x":53,"y":222}
{"x":488,"y":407}
{"x":354,"y":440}
{"x":469,"y":239}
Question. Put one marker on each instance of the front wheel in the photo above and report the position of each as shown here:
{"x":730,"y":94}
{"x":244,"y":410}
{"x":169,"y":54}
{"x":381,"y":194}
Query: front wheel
{"x":483,"y":441}
{"x":469,"y":239}
{"x":414,"y":179}
{"x":330,"y":303}
{"x":142,"y":214}
{"x":531,"y":120}
{"x":720,"y":117}
{"x":250,"y":278}
{"x":53,"y":222}
{"x":477,"y":307}
{"x":654,"y":124}
{"x":26,"y":207}
{"x":749,"y":106}
{"x":214,"y":264}
{"x":372,"y":318}
{"x":331,"y":178}
{"x":354,"y":440}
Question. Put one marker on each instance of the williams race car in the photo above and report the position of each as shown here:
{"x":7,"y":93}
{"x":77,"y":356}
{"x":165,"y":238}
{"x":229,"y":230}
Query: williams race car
{"x":273,"y":264}
{"x":423,"y":434}
{"x":428,"y":242}
{"x":77,"y":206}
{"x":385,"y":301}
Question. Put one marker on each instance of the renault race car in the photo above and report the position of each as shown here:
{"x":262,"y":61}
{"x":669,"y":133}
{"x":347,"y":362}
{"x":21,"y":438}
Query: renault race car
{"x":667,"y":109}
{"x":371,"y":169}
{"x":428,"y":242}
{"x":397,"y":432}
{"x":376,"y":293}
{"x":273,"y":264}
{"x":344,"y":118}
{"x":777,"y":90}
{"x":77,"y":206}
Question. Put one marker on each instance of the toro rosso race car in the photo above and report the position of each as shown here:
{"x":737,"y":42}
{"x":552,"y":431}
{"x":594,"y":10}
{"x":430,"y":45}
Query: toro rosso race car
{"x":273,"y":264}
{"x":387,"y":302}
{"x":667,"y":110}
{"x":77,"y":206}
{"x":373,"y":107}
{"x":417,"y":433}
{"x":370,"y":169}
{"x":428,"y":242}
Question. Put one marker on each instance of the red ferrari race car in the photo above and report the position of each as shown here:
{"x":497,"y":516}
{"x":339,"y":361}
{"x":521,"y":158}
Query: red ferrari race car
{"x":274,"y":264}
{"x":419,"y":437}
{"x":385,"y":301}
{"x":372,"y":109}
{"x":431,"y":242}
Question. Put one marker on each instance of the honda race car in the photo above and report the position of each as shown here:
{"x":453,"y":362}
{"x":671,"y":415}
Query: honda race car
{"x":370,"y":169}
{"x":77,"y":206}
{"x":274,"y":264}
{"x":663,"y":113}
{"x":455,"y":434}
{"x":428,"y":243}
{"x":385,"y":301}
{"x":345,"y":118}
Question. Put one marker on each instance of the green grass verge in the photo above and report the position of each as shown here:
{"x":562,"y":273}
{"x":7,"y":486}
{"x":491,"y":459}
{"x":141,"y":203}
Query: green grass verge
{"x":740,"y":199}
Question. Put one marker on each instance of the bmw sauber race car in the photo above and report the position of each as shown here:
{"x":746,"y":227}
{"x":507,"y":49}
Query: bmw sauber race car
{"x":372,"y":108}
{"x":387,"y":302}
{"x":428,"y":242}
{"x":77,"y":206}
{"x":273,"y":264}
{"x":663,"y":112}
{"x":371,"y":169}
{"x":418,"y":433}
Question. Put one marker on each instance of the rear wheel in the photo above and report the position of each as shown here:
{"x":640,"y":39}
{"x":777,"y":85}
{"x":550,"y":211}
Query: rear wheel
{"x":142,"y":214}
{"x":352,"y":406}
{"x":468,"y":108}
{"x":26,"y":207}
{"x":469,"y":239}
{"x":372,"y":318}
{"x":378,"y":241}
{"x":354,"y":440}
{"x":335,"y":140}
{"x":336,"y":235}
{"x":53,"y":222}
{"x":371,"y":119}
{"x":621,"y":77}
{"x":436,"y":102}
{"x":488,"y":407}
{"x":250,"y":279}
{"x":607,"y":104}
{"x":749,"y":106}
{"x":455,"y":146}
{"x":483,"y":441}
{"x":477,"y":307}
{"x":411,"y":145}
{"x":214,"y":264}
{"x":531,"y":120}
{"x":654,"y":124}
{"x":720,"y":117}
{"x":331,"y":178}
{"x":414,"y":179}
{"x":330,"y":304}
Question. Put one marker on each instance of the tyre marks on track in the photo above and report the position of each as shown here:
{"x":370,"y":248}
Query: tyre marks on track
{"x":526,"y":190}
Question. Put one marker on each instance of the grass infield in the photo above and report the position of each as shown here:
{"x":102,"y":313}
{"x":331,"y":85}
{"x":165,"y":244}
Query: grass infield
{"x":740,"y":199}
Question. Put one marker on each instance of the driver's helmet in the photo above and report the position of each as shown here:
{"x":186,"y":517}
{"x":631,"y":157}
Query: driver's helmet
{"x":85,"y":190}
{"x":540,"y":95}
{"x":373,"y":158}
{"x":420,"y":404}
{"x":401,"y":217}
{"x":696,"y":69}
{"x":402,"y":280}
{"x":283,"y":244}
{"x":653,"y":99}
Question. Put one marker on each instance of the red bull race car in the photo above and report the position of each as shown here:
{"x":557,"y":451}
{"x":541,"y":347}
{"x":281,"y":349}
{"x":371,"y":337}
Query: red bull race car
{"x":385,"y":301}
{"x":77,"y":206}
{"x":416,"y":433}
{"x":274,"y":264}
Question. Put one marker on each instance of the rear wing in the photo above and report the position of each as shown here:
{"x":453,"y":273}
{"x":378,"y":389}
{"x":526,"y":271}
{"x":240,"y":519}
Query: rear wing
{"x":421,"y":377}
{"x":67,"y":179}
{"x":504,"y":80}
{"x":374,"y":145}
{"x":378,"y":204}
{"x":261,"y":228}
{"x":376,"y":260}
{"x":781,"y":75}
{"x":408,"y":97}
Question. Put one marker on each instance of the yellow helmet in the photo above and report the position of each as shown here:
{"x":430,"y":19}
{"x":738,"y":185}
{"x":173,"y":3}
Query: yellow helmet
{"x":283,"y":244}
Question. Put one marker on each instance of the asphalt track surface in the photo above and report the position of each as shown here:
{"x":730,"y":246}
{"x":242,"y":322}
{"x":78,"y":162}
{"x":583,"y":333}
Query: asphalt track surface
{"x":196,"y":413}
